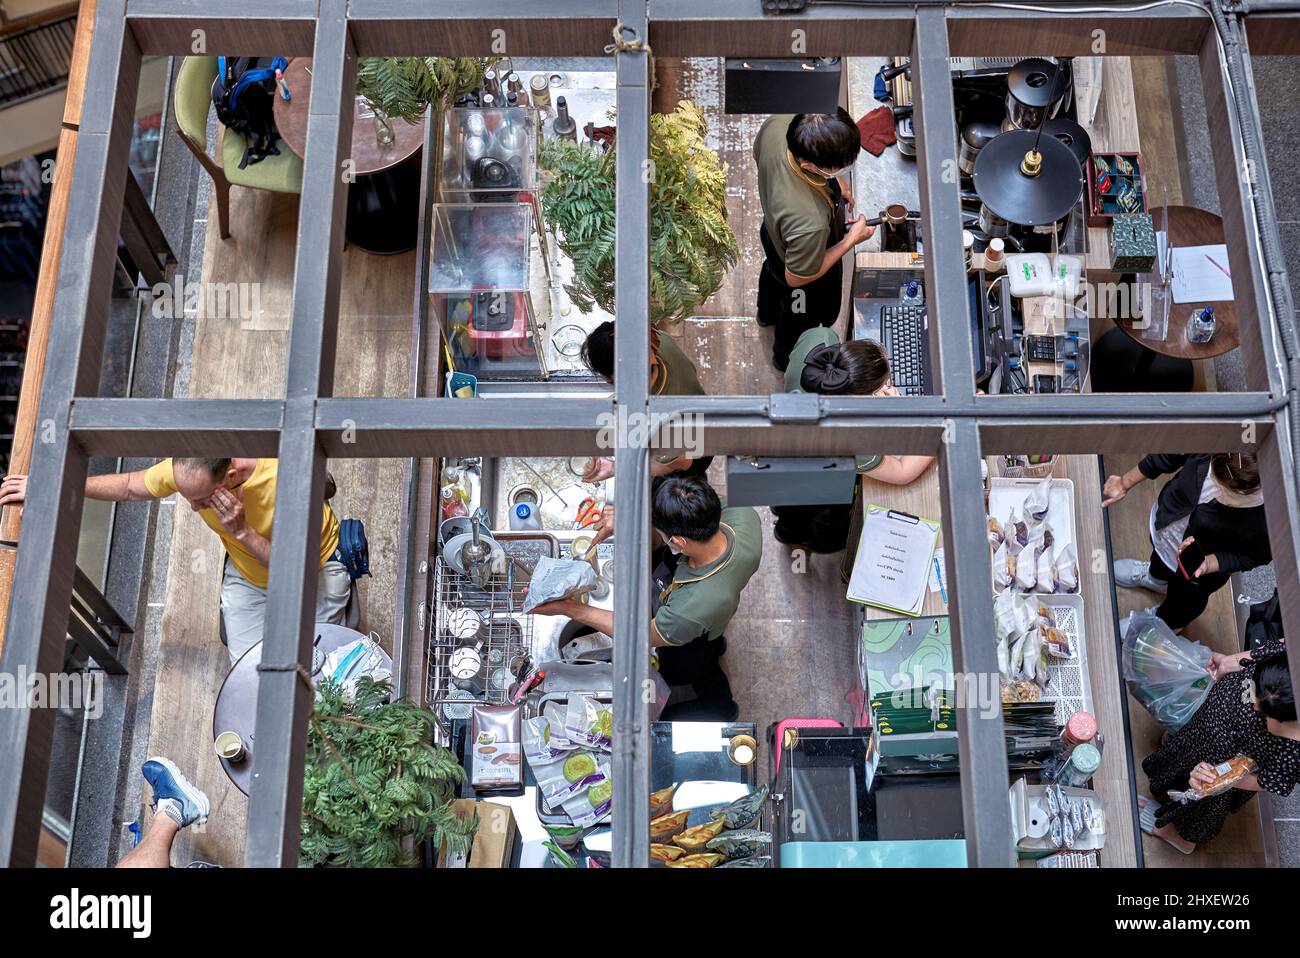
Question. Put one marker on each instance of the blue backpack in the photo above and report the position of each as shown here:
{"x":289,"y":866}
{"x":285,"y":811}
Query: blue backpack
{"x":354,"y":550}
{"x":244,"y":96}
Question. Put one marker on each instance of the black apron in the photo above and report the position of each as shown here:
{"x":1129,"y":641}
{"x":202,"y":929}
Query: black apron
{"x":822,"y":298}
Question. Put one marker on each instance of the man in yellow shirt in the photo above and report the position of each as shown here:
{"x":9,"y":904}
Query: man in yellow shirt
{"x":236,"y":498}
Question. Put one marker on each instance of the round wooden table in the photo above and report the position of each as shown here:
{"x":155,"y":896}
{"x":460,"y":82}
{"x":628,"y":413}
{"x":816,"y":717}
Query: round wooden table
{"x":384,"y":198}
{"x":1124,"y":361}
{"x":236,"y":708}
{"x":1188,"y":226}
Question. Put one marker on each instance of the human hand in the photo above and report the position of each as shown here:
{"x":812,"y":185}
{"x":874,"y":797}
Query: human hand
{"x":13,"y":491}
{"x":1203,"y":776}
{"x":605,"y":528}
{"x":1208,"y":567}
{"x":1221,"y":665}
{"x":858,"y":230}
{"x":229,"y":510}
{"x":1113,"y":491}
{"x":556,"y":607}
{"x":598,"y":468}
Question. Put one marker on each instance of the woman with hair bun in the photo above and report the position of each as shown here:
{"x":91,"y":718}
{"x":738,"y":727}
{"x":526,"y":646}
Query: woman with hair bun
{"x":820,"y":363}
{"x":1250,"y":713}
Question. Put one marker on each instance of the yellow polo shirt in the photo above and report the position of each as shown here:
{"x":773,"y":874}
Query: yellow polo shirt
{"x":258,"y":494}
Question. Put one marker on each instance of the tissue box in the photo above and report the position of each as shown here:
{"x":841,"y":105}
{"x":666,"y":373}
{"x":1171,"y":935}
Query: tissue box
{"x":1132,"y":243}
{"x":1029,"y":820}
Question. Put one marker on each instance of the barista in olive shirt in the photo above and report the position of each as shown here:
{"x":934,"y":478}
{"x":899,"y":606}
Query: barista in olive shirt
{"x":820,"y":363}
{"x":671,"y":374}
{"x":805,"y":210}
{"x":711,"y":553}
{"x":671,"y":371}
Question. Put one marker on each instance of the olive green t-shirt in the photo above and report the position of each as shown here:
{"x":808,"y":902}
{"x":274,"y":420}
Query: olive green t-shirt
{"x":796,"y":213}
{"x":806,"y":343}
{"x":676,"y":375}
{"x":701,"y":601}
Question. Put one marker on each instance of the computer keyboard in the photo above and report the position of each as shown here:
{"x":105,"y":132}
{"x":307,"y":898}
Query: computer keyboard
{"x":902,"y":333}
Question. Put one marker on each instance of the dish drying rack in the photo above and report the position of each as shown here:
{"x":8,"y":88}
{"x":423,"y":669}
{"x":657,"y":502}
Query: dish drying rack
{"x":507,"y":631}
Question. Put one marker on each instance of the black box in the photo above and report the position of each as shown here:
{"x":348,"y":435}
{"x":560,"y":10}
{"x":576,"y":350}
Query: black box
{"x":782,"y":86}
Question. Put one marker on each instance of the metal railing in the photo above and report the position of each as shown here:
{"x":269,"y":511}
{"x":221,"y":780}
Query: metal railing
{"x":36,"y":53}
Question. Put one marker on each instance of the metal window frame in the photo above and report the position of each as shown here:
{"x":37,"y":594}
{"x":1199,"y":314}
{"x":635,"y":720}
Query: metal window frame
{"x":310,"y":424}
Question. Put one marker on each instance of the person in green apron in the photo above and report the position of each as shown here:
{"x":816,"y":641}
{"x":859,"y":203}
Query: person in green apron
{"x":820,"y":363}
{"x":806,"y":231}
{"x":671,"y":371}
{"x":671,"y":374}
{"x":710,"y":553}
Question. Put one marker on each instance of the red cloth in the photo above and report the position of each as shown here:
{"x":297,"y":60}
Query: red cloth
{"x":877,"y":130}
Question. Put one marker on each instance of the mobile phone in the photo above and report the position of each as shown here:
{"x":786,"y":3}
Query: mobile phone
{"x":1190,"y":559}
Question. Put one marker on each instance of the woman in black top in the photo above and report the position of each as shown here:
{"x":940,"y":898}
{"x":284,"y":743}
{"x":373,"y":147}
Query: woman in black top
{"x":1213,"y":500}
{"x":1249,"y":712}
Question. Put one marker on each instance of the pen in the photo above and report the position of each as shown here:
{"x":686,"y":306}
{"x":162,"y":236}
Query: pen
{"x":1216,"y":263}
{"x":938,"y":574}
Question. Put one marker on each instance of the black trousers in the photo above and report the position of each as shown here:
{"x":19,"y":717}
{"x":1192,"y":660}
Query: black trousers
{"x":822,"y":528}
{"x":791,"y":315}
{"x":699,"y":665}
{"x":1186,"y":598}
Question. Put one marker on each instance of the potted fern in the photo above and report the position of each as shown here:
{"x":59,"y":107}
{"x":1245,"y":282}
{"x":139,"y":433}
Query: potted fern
{"x":375,"y":784}
{"x":405,"y":86}
{"x":691,"y":245}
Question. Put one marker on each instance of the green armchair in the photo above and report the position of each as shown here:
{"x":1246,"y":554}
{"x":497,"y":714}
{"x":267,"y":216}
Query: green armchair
{"x":192,"y":99}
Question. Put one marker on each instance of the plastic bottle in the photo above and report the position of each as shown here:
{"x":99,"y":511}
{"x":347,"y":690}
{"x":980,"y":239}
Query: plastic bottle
{"x":1200,"y":327}
{"x":452,"y":505}
{"x":524,"y":517}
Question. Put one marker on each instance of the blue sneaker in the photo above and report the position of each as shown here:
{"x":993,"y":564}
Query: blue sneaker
{"x":173,"y":795}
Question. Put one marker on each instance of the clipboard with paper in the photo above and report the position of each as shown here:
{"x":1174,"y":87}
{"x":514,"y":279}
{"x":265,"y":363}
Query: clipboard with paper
{"x":892,"y":566}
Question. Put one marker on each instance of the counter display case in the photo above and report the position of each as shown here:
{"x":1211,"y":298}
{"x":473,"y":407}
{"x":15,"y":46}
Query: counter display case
{"x":489,"y":154}
{"x":480,"y":288}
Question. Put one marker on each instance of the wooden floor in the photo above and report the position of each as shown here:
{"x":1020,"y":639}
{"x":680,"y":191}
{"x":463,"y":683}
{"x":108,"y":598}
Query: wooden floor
{"x":1240,"y":843}
{"x":790,"y":646}
{"x":246,"y":360}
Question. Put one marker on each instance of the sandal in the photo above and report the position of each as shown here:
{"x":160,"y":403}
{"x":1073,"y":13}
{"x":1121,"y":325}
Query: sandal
{"x":1147,"y":822}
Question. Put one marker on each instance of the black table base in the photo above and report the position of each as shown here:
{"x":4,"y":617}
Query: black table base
{"x":1121,"y":365}
{"x":384,"y":209}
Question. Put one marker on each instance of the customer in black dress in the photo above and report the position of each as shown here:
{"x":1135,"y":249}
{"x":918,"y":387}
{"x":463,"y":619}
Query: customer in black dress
{"x":1214,"y":500}
{"x":1250,"y":711}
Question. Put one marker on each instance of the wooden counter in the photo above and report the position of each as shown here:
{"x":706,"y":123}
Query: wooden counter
{"x":1113,"y":127}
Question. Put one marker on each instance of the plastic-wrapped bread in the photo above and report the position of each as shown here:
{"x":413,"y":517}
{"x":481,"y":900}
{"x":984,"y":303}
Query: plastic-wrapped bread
{"x":1001,"y":568}
{"x":1025,"y":577}
{"x":1046,"y":572}
{"x":996,"y":532}
{"x":1048,"y":538}
{"x":1017,"y":534}
{"x":1038,"y":501}
{"x":1067,"y":569}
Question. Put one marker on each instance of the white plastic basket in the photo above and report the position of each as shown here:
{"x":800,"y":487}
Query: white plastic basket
{"x":1005,"y":494}
{"x":1068,"y":678}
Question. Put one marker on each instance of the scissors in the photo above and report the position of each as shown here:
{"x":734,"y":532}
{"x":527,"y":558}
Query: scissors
{"x":589,"y":514}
